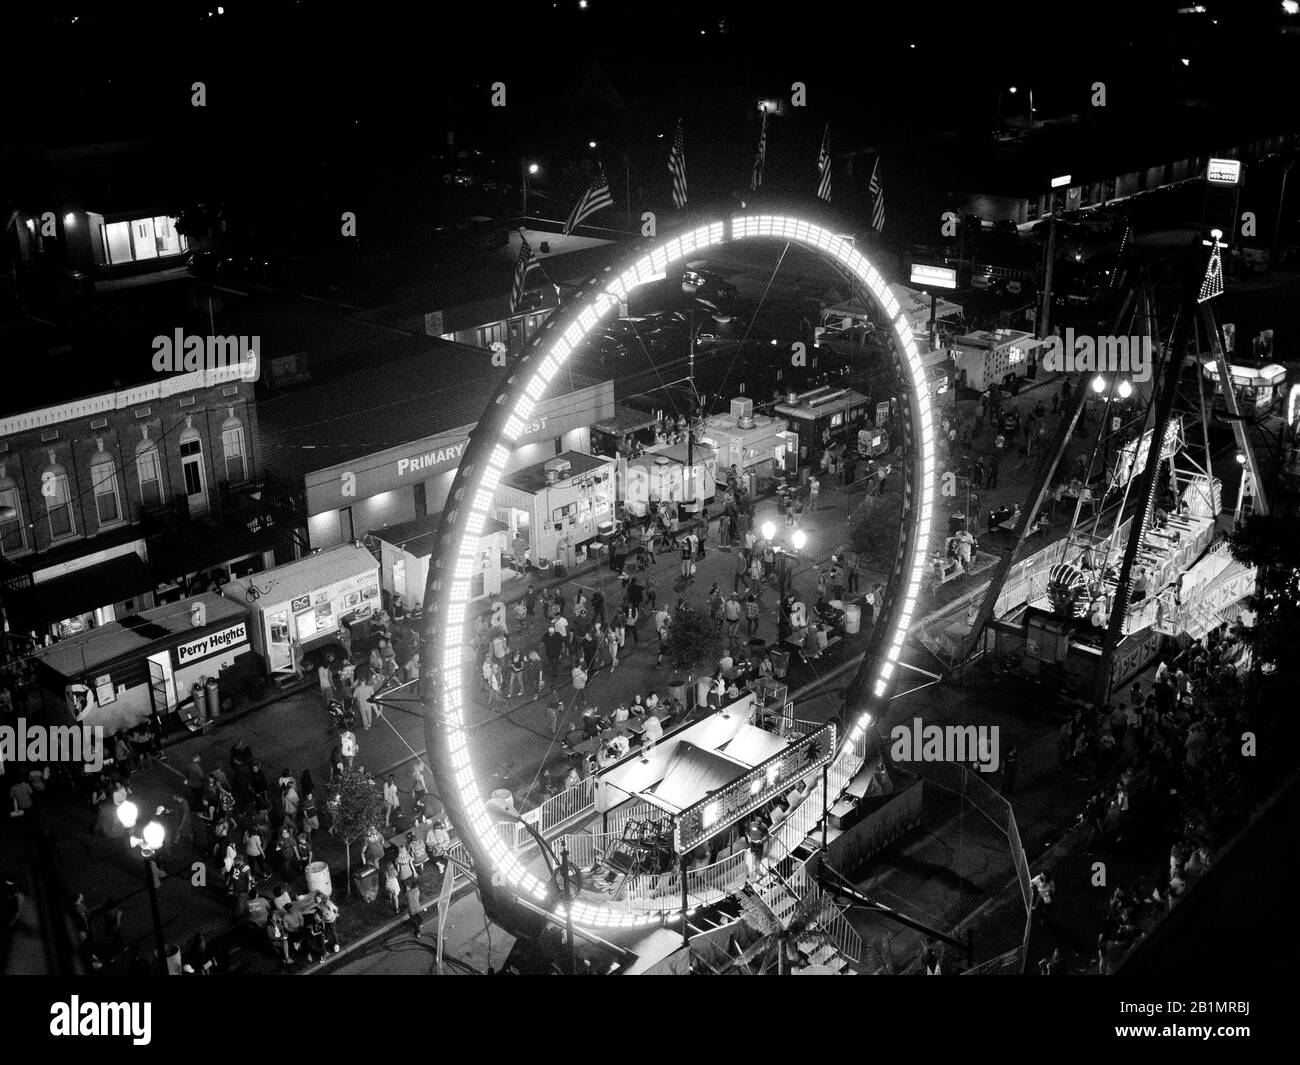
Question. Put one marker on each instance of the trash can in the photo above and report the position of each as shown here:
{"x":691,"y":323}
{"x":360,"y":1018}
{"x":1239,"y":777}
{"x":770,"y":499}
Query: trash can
{"x":174,"y":965}
{"x":366,"y":882}
{"x":214,"y":698}
{"x":318,"y":878}
{"x":677,"y":690}
{"x":780,"y":663}
{"x":852,"y":618}
{"x":702,"y":685}
{"x":757,"y":648}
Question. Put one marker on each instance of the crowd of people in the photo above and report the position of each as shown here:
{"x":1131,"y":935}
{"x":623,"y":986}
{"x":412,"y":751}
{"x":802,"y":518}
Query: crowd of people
{"x":1170,"y":751}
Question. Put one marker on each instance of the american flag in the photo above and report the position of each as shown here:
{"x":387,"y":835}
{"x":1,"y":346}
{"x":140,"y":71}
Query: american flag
{"x":824,"y":167}
{"x":677,"y":167}
{"x":596,"y":198}
{"x":522,"y":265}
{"x":756,"y":178}
{"x":877,"y":199}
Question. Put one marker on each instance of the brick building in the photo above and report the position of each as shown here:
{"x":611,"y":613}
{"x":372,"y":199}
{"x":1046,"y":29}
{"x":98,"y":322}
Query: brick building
{"x":112,"y":502}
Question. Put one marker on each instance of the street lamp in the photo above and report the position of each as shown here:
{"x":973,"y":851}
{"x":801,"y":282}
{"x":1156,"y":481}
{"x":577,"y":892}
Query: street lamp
{"x":799,"y":538}
{"x":1099,"y":384}
{"x":525,"y":169}
{"x":1125,"y":389}
{"x":149,"y":842}
{"x":768,"y":530}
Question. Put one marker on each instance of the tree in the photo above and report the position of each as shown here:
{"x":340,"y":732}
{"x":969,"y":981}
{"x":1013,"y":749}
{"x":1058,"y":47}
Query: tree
{"x":357,"y":803}
{"x":874,"y":537}
{"x":693,"y":639}
{"x":778,"y":945}
{"x":1272,"y":545}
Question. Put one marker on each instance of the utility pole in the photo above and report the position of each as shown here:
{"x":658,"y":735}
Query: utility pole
{"x":1277,"y":227}
{"x":1045,"y":303}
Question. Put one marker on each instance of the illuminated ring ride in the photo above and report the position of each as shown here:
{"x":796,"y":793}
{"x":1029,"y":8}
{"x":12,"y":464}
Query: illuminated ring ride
{"x":447,"y":637}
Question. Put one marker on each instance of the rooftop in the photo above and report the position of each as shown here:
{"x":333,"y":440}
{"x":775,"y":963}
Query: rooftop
{"x":533,"y":478}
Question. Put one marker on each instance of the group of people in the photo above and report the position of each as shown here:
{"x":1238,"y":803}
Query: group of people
{"x":1175,"y":742}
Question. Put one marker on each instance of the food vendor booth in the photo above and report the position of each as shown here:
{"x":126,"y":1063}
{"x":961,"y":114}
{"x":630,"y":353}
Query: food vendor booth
{"x":820,"y":412}
{"x":300,"y":606}
{"x":162,"y":659}
{"x":750,"y":442}
{"x":663,"y":475}
{"x":560,"y":507}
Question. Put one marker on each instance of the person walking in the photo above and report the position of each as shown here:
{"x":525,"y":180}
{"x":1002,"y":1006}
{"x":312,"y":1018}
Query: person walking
{"x":516,"y":675}
{"x":419,"y":788}
{"x":613,"y":641}
{"x":392,"y":802}
{"x":329,"y":913}
{"x":579,"y":678}
{"x":1044,"y":897}
{"x":362,"y":690}
{"x":1010,"y":767}
{"x":732,"y":611}
{"x":688,"y":566}
{"x":814,"y":490}
{"x":255,"y":852}
{"x":392,"y":886}
{"x":554,"y":712}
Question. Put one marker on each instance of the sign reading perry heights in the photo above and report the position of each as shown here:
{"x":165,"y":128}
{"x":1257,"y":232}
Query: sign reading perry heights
{"x":213,"y":643}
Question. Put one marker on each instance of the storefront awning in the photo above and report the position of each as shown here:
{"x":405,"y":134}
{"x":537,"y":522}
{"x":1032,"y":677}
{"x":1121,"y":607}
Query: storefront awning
{"x":40,"y":605}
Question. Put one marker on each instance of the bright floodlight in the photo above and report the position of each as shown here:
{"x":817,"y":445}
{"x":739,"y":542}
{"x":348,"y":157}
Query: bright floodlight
{"x":1125,"y":389}
{"x":799,"y":539}
{"x":1099,"y":384}
{"x":1186,"y":62}
{"x":128,"y":813}
{"x":1241,"y":458}
{"x":591,"y":144}
{"x":1290,"y":7}
{"x":533,"y":168}
{"x":1012,"y":90}
{"x":153,"y":835}
{"x":768,"y":530}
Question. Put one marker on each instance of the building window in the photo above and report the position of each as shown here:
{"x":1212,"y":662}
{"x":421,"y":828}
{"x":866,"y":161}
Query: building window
{"x":191,"y":445}
{"x":103,"y":476}
{"x":141,"y":239}
{"x":13,"y":533}
{"x":58,"y":499}
{"x":148,"y":470}
{"x":232,"y":446}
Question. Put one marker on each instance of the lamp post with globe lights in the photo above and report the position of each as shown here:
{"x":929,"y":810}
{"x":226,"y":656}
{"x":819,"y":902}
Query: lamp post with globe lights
{"x":149,"y":842}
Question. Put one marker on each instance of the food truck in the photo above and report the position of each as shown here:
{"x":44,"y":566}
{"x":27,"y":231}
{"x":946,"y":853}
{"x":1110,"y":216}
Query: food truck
{"x":822,"y":412}
{"x":1258,"y":388}
{"x":404,"y":551}
{"x":299,"y":607}
{"x":663,"y":475}
{"x":1000,"y":358}
{"x":750,"y":442}
{"x":163,"y":659}
{"x":560,"y":506}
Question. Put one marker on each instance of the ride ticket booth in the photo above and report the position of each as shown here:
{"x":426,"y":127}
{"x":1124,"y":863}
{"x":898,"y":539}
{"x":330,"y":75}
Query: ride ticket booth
{"x":405,"y":549}
{"x":161,"y":660}
{"x":300,"y":606}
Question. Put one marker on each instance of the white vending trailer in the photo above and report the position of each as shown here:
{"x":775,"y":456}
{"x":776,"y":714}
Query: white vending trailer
{"x":301,"y":605}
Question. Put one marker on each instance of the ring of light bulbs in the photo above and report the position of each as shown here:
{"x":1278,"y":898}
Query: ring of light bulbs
{"x":484,"y":463}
